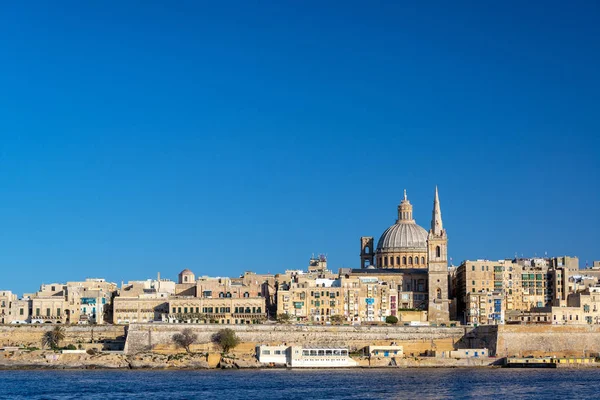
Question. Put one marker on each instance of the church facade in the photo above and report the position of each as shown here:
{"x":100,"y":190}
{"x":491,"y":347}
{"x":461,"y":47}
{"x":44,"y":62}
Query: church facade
{"x":413,"y":258}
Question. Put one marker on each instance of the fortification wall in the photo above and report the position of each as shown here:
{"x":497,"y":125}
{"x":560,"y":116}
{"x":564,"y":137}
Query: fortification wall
{"x":416,"y":340}
{"x":31,"y":335}
{"x":548,"y":340}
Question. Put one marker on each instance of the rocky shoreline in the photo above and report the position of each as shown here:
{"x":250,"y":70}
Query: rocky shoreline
{"x":43,"y":359}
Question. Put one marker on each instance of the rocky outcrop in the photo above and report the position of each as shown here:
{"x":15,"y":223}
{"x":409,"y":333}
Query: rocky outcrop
{"x":50,"y":359}
{"x":173,"y":361}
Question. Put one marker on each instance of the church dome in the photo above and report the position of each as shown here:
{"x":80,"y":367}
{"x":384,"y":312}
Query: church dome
{"x":403,"y":236}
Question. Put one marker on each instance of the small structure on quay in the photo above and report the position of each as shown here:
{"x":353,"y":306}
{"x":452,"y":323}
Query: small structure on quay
{"x":303,"y":357}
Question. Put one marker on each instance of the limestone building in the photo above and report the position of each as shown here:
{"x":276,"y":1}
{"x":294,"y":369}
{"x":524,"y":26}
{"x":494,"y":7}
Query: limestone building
{"x":6,"y":299}
{"x":406,"y":250}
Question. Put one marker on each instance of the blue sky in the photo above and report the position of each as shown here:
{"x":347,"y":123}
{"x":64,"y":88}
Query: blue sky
{"x":139,"y":137}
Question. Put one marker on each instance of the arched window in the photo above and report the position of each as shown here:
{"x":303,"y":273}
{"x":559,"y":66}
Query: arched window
{"x":403,"y":260}
{"x":185,"y":278}
{"x":228,"y":294}
{"x":367,"y":250}
{"x":397,"y":260}
{"x":439,"y":293}
{"x":423,"y":260}
{"x":438,"y":251}
{"x":392,"y":261}
{"x":379,"y":262}
{"x":417,"y":260}
{"x":221,"y":294}
{"x":385,"y":260}
{"x":246,"y":294}
{"x":410,"y":260}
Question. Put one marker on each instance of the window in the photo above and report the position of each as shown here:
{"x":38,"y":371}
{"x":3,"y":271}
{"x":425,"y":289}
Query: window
{"x":417,"y":260}
{"x":246,"y":294}
{"x":21,"y":311}
{"x":472,"y":268}
{"x":438,"y":251}
{"x":397,"y":260}
{"x":410,"y":260}
{"x":58,"y":312}
{"x":423,"y":260}
{"x":403,"y":260}
{"x":37,"y":312}
{"x":47,"y":312}
{"x":439,"y":293}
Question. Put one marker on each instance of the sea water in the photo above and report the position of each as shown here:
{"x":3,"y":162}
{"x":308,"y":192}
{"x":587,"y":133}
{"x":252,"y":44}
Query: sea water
{"x":422,"y":383}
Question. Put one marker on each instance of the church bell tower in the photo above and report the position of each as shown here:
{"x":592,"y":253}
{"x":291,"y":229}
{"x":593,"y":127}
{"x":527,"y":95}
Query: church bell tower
{"x":437,"y":248}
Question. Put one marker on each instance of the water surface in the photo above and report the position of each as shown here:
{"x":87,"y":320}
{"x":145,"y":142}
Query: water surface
{"x":424,"y":383}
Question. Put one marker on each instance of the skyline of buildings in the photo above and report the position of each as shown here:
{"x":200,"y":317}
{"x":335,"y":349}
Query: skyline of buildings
{"x":405,"y":274}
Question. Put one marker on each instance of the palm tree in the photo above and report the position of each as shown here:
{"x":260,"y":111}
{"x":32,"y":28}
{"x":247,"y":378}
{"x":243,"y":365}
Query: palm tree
{"x":53,"y":338}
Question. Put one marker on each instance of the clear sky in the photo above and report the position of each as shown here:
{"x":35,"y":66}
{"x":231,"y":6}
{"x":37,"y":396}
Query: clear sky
{"x":139,"y":137}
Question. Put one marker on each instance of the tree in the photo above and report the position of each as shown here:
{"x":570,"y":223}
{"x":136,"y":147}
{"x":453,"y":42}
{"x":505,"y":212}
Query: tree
{"x":185,"y":339}
{"x":337,"y":319}
{"x":390,"y":319}
{"x":226,"y":338}
{"x":53,"y":338}
{"x":284,"y":318}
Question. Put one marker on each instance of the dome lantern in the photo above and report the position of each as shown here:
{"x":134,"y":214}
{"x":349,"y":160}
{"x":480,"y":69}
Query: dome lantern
{"x":405,"y":211}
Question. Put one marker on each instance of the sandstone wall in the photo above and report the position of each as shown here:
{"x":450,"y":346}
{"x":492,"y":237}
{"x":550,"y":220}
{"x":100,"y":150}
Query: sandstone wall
{"x":31,"y":335}
{"x":416,"y":340}
{"x":548,"y":340}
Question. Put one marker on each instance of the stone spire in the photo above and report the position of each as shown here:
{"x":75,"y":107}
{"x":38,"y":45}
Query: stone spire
{"x":436,"y":215}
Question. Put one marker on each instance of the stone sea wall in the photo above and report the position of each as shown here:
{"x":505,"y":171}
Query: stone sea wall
{"x":535,"y":340}
{"x":548,"y":340}
{"x":416,"y":340}
{"x":31,"y":335}
{"x":502,"y":341}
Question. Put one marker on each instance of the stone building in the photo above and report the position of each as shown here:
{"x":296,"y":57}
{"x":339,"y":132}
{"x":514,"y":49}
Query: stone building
{"x":580,"y":308}
{"x":20,"y":312}
{"x":227,"y":310}
{"x":521,"y":289}
{"x":142,"y":301}
{"x":90,"y":301}
{"x":49,"y":304}
{"x":310,"y":298}
{"x":6,"y":300}
{"x":242,"y":300}
{"x":143,"y":308}
{"x":407,"y":248}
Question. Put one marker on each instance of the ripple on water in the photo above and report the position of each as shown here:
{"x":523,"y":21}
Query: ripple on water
{"x":435,"y":383}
